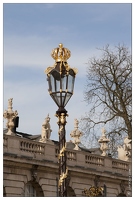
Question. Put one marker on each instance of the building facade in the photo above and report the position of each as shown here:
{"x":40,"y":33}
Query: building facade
{"x":31,"y":168}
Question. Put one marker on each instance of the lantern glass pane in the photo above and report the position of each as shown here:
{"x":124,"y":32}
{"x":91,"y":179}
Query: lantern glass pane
{"x":68,"y":96}
{"x":63,"y":98}
{"x":64,"y":82}
{"x":52,"y":84}
{"x":58,"y":99}
{"x":55,"y":81}
{"x":71,"y":79}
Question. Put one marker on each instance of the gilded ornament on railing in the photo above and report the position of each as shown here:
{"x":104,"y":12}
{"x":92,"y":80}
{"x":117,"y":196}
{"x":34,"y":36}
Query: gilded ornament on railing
{"x":93,"y":192}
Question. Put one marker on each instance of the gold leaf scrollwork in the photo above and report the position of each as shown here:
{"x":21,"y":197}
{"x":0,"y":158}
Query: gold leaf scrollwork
{"x":93,"y":192}
{"x":62,"y":177}
{"x":62,"y":152}
{"x":49,"y":69}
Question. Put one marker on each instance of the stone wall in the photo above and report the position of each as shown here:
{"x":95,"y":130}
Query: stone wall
{"x":27,"y":161}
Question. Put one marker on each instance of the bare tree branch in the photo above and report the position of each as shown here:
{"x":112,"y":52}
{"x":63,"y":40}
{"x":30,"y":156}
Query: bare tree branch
{"x":109,"y":91}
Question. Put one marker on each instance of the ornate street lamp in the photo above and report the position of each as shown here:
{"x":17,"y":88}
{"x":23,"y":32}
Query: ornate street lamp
{"x":61,"y":78}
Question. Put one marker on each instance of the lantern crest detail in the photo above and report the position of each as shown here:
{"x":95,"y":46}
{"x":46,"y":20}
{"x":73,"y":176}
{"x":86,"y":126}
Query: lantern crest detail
{"x":61,"y":53}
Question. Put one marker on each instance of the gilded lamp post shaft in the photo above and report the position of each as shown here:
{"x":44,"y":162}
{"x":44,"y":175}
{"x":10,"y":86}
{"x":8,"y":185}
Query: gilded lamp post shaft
{"x":63,"y":170}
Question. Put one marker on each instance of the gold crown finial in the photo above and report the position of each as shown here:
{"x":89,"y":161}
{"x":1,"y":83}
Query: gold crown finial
{"x":60,"y":45}
{"x":61,"y":53}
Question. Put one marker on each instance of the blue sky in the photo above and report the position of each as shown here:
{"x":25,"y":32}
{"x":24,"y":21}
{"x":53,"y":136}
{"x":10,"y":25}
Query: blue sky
{"x":32,"y":30}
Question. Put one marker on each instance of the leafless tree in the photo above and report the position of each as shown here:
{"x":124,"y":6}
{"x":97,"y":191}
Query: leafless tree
{"x":108,"y":92}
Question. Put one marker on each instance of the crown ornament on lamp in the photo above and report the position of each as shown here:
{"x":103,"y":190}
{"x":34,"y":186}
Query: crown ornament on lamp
{"x":61,"y":53}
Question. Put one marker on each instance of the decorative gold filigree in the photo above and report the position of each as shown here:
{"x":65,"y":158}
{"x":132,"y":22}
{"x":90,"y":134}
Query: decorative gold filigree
{"x":67,"y":67}
{"x":60,"y":130}
{"x":49,"y":69}
{"x":61,"y":118}
{"x":62,"y":177}
{"x":61,"y":53}
{"x":62,"y":152}
{"x":75,"y":70}
{"x":93,"y":192}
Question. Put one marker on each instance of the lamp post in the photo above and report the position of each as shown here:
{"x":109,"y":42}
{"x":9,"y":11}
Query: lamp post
{"x":61,"y":79}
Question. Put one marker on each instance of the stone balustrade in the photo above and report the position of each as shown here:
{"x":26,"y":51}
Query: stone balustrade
{"x":120,"y":165}
{"x":32,"y":147}
{"x":96,"y":160}
{"x":23,"y":147}
{"x":71,"y":156}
